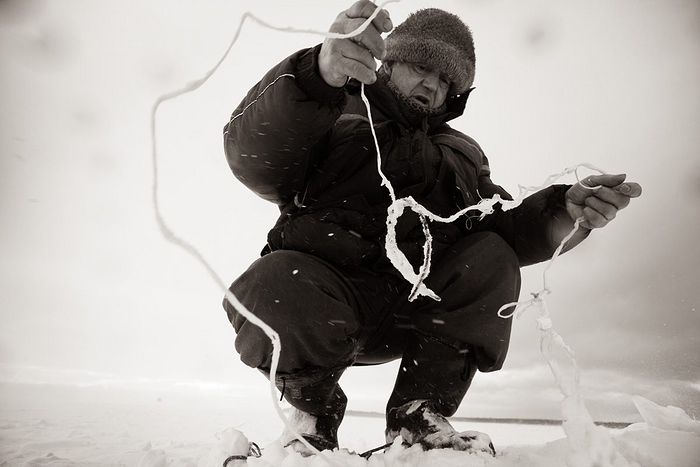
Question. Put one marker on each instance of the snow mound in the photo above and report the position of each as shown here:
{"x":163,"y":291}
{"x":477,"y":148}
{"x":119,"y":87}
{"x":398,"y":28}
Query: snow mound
{"x":665,"y":418}
{"x":231,"y":443}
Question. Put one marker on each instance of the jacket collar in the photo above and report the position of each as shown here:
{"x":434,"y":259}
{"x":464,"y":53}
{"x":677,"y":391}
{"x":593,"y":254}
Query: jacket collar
{"x":387,"y":105}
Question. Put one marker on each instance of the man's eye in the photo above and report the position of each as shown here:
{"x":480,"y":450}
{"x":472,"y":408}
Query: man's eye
{"x":420,"y":68}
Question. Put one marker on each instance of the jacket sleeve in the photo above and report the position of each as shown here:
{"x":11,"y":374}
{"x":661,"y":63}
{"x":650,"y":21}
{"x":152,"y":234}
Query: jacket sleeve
{"x":532,"y":228}
{"x":272,"y":136}
{"x":535,"y":227}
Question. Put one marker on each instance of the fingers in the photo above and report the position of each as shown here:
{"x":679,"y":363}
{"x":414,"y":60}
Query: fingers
{"x":629,"y":189}
{"x":598,"y":198}
{"x":593,"y":219}
{"x":580,"y":191}
{"x":370,"y":38}
{"x":604,"y":205}
{"x":357,"y":62}
{"x":602,"y":209}
{"x":607,"y":184}
{"x":364,"y":9}
{"x":612,"y":196}
{"x":603,"y":180}
{"x":341,"y":59}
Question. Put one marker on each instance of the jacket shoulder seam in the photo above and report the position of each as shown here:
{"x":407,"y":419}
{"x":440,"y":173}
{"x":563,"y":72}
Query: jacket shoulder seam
{"x":234,"y":117}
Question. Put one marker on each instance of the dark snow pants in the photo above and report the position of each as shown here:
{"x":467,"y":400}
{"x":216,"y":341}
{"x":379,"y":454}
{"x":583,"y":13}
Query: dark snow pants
{"x":329,"y":319}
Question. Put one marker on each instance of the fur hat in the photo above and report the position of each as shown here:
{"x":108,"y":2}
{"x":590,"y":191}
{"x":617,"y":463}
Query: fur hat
{"x":438,"y":39}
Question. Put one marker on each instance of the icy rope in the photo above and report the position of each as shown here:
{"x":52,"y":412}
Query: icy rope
{"x":189,"y":248}
{"x":590,"y":445}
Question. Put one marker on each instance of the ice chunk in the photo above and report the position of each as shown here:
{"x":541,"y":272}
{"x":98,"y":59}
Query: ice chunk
{"x":665,"y":418}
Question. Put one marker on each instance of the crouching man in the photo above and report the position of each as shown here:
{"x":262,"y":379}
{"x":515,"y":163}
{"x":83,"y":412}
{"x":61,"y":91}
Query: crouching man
{"x":301,"y":139}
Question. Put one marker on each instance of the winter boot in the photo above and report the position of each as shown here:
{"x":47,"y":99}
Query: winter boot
{"x":321,"y":432}
{"x":318,"y":408}
{"x":417,"y":422}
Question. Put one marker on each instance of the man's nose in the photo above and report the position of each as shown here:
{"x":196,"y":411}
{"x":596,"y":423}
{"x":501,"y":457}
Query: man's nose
{"x":431,"y":81}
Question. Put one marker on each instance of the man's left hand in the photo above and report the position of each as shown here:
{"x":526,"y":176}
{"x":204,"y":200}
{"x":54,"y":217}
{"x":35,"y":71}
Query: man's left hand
{"x":598,"y":198}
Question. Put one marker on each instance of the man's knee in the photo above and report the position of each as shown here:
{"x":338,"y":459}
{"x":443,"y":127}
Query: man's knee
{"x":483,"y":259}
{"x":299,"y":297}
{"x":304,"y":345}
{"x":256,"y":290}
{"x":474,"y":279}
{"x":266,"y":280}
{"x":253,"y":345}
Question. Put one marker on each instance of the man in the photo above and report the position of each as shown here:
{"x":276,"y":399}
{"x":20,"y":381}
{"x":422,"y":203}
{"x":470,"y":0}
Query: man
{"x":301,"y":138}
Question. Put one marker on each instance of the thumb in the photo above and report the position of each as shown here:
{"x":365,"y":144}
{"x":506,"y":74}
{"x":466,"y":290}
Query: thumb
{"x":589,"y":185}
{"x":609,"y":180}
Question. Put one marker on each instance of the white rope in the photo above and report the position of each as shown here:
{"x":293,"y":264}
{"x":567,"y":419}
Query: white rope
{"x":538,"y":297}
{"x":590,"y":445}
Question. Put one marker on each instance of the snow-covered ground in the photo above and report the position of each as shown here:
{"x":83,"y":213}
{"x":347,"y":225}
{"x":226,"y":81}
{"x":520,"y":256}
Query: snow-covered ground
{"x":42,"y":425}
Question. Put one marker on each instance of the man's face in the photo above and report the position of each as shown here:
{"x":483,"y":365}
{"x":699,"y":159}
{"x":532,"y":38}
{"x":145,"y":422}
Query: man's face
{"x":419,"y":82}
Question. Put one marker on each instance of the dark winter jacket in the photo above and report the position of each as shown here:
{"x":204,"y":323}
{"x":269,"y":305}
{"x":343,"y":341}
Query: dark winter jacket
{"x":307,"y":146}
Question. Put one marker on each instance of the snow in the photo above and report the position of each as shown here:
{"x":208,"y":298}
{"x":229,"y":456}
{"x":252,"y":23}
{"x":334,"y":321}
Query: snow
{"x":96,"y":426}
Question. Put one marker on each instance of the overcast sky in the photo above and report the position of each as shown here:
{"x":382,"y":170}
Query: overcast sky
{"x":92,"y":294}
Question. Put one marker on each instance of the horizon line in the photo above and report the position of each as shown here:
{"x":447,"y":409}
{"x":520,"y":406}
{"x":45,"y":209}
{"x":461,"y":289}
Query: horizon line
{"x":507,"y":420}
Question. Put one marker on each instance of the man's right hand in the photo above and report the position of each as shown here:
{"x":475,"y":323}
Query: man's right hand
{"x":341,"y":59}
